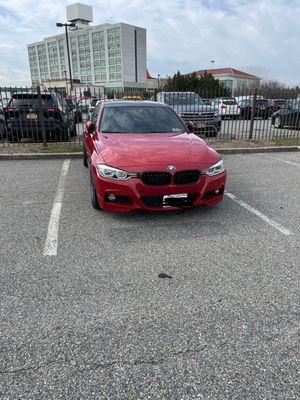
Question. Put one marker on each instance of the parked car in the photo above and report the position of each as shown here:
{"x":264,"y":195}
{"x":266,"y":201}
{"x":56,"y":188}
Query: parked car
{"x":190,"y":107}
{"x":73,"y":105}
{"x":261,"y":108}
{"x":141,"y":155}
{"x":228,"y":107}
{"x":276,"y":104}
{"x":288,"y":116}
{"x":24,"y":112}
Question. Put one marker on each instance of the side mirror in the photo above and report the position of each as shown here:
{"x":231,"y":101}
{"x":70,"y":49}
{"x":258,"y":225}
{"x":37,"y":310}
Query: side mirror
{"x":190,"y":127}
{"x":90,"y":127}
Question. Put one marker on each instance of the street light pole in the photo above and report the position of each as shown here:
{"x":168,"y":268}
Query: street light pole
{"x":59,"y":24}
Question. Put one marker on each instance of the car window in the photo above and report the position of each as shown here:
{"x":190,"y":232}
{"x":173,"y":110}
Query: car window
{"x":262,"y":102}
{"x":31,"y":99}
{"x":140,"y":119}
{"x":230,"y":102}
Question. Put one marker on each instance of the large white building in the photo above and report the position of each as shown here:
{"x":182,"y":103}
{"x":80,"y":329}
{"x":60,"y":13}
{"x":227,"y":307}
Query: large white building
{"x":110,"y":55}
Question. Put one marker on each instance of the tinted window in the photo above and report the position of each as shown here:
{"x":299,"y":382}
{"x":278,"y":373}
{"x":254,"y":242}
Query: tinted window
{"x":140,"y":119}
{"x":261,"y":102}
{"x":31,"y":99}
{"x":94,"y":102}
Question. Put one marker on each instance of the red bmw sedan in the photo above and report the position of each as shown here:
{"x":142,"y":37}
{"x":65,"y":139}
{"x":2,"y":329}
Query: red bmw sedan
{"x":141,"y":155}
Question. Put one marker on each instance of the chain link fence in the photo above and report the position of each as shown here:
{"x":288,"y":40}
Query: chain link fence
{"x":30,"y":116}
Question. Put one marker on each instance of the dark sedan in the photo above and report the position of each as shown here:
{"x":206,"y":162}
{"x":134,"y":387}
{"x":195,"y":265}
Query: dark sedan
{"x":288,"y":116}
{"x":261,"y":108}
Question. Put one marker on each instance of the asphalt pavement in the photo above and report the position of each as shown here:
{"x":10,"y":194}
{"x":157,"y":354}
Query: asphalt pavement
{"x":95,"y":321}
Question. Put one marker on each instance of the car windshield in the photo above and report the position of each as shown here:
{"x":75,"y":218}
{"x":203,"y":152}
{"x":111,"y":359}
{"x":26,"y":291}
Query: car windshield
{"x":182,"y":98}
{"x":31,"y":99}
{"x":261,"y":102}
{"x":140,"y":119}
{"x":94,"y":102}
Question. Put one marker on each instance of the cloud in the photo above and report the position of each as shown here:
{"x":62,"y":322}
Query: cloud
{"x":181,"y":34}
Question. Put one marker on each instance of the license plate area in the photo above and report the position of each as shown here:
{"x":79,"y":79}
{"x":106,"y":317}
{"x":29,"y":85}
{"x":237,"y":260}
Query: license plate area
{"x":176,"y":200}
{"x":31,"y":116}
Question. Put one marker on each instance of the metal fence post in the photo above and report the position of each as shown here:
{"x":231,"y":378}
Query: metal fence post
{"x":252,"y":114}
{"x":41,"y":116}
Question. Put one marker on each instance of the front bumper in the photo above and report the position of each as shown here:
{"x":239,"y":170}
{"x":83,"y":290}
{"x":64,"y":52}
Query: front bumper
{"x":132,"y":194}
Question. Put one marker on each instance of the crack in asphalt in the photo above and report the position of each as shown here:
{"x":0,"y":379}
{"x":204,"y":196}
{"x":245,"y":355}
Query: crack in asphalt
{"x":146,"y":362}
{"x":94,"y":366}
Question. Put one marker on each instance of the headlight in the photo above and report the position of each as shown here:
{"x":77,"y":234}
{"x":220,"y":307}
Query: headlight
{"x":214,"y":169}
{"x":113,"y":173}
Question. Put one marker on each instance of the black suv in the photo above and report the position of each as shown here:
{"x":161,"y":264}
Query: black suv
{"x":24,"y":112}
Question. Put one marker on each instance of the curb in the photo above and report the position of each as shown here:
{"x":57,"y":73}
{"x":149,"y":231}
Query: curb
{"x":55,"y":156}
{"x":249,"y":150}
{"x":40,"y":156}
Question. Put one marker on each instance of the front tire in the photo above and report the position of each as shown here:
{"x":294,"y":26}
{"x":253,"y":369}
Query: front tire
{"x":94,"y":198}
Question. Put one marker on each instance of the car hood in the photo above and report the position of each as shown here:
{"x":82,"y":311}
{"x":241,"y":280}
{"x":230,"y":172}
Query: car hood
{"x":194,"y":108}
{"x":140,"y":151}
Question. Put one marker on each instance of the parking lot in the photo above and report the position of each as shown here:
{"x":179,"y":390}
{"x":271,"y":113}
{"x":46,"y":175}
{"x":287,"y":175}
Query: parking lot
{"x":262,"y":130}
{"x":84,"y":315}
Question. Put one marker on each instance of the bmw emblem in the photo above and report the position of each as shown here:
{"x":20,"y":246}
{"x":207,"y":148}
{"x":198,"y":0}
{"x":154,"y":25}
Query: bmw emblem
{"x":171,"y":167}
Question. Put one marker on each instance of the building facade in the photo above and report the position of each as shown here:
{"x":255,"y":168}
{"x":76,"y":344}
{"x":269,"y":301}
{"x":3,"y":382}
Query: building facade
{"x":232,"y":78}
{"x":112,"y":55}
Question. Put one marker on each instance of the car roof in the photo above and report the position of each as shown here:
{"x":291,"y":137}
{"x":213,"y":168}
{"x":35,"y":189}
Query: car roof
{"x":33,"y":93}
{"x":126,"y":103}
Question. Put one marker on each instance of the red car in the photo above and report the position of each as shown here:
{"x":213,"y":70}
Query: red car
{"x":141,"y":155}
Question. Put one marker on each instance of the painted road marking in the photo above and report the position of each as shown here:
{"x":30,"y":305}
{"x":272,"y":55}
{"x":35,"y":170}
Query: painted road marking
{"x":266,"y":219}
{"x":280,"y":159}
{"x":50,"y":248}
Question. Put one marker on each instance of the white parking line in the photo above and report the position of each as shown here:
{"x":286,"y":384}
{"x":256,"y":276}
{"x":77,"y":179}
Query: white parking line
{"x":50,"y":248}
{"x":268,"y":220}
{"x":280,"y":159}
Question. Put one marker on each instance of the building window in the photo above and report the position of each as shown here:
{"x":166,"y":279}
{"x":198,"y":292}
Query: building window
{"x":101,"y":63}
{"x":100,"y":78}
{"x":99,"y":56}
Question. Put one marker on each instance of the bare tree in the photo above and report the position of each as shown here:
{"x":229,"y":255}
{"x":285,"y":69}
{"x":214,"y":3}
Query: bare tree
{"x":257,"y":70}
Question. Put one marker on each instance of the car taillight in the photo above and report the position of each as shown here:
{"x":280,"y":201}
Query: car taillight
{"x":223,"y":106}
{"x":53,"y":108}
{"x":9,"y":108}
{"x":238,"y":106}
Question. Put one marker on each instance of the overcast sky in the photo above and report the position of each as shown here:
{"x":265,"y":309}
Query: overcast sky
{"x":182,"y":35}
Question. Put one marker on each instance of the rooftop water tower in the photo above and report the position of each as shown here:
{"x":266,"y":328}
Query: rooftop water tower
{"x":80,"y":14}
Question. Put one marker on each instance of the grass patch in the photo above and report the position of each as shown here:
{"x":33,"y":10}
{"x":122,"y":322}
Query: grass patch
{"x":286,"y":141}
